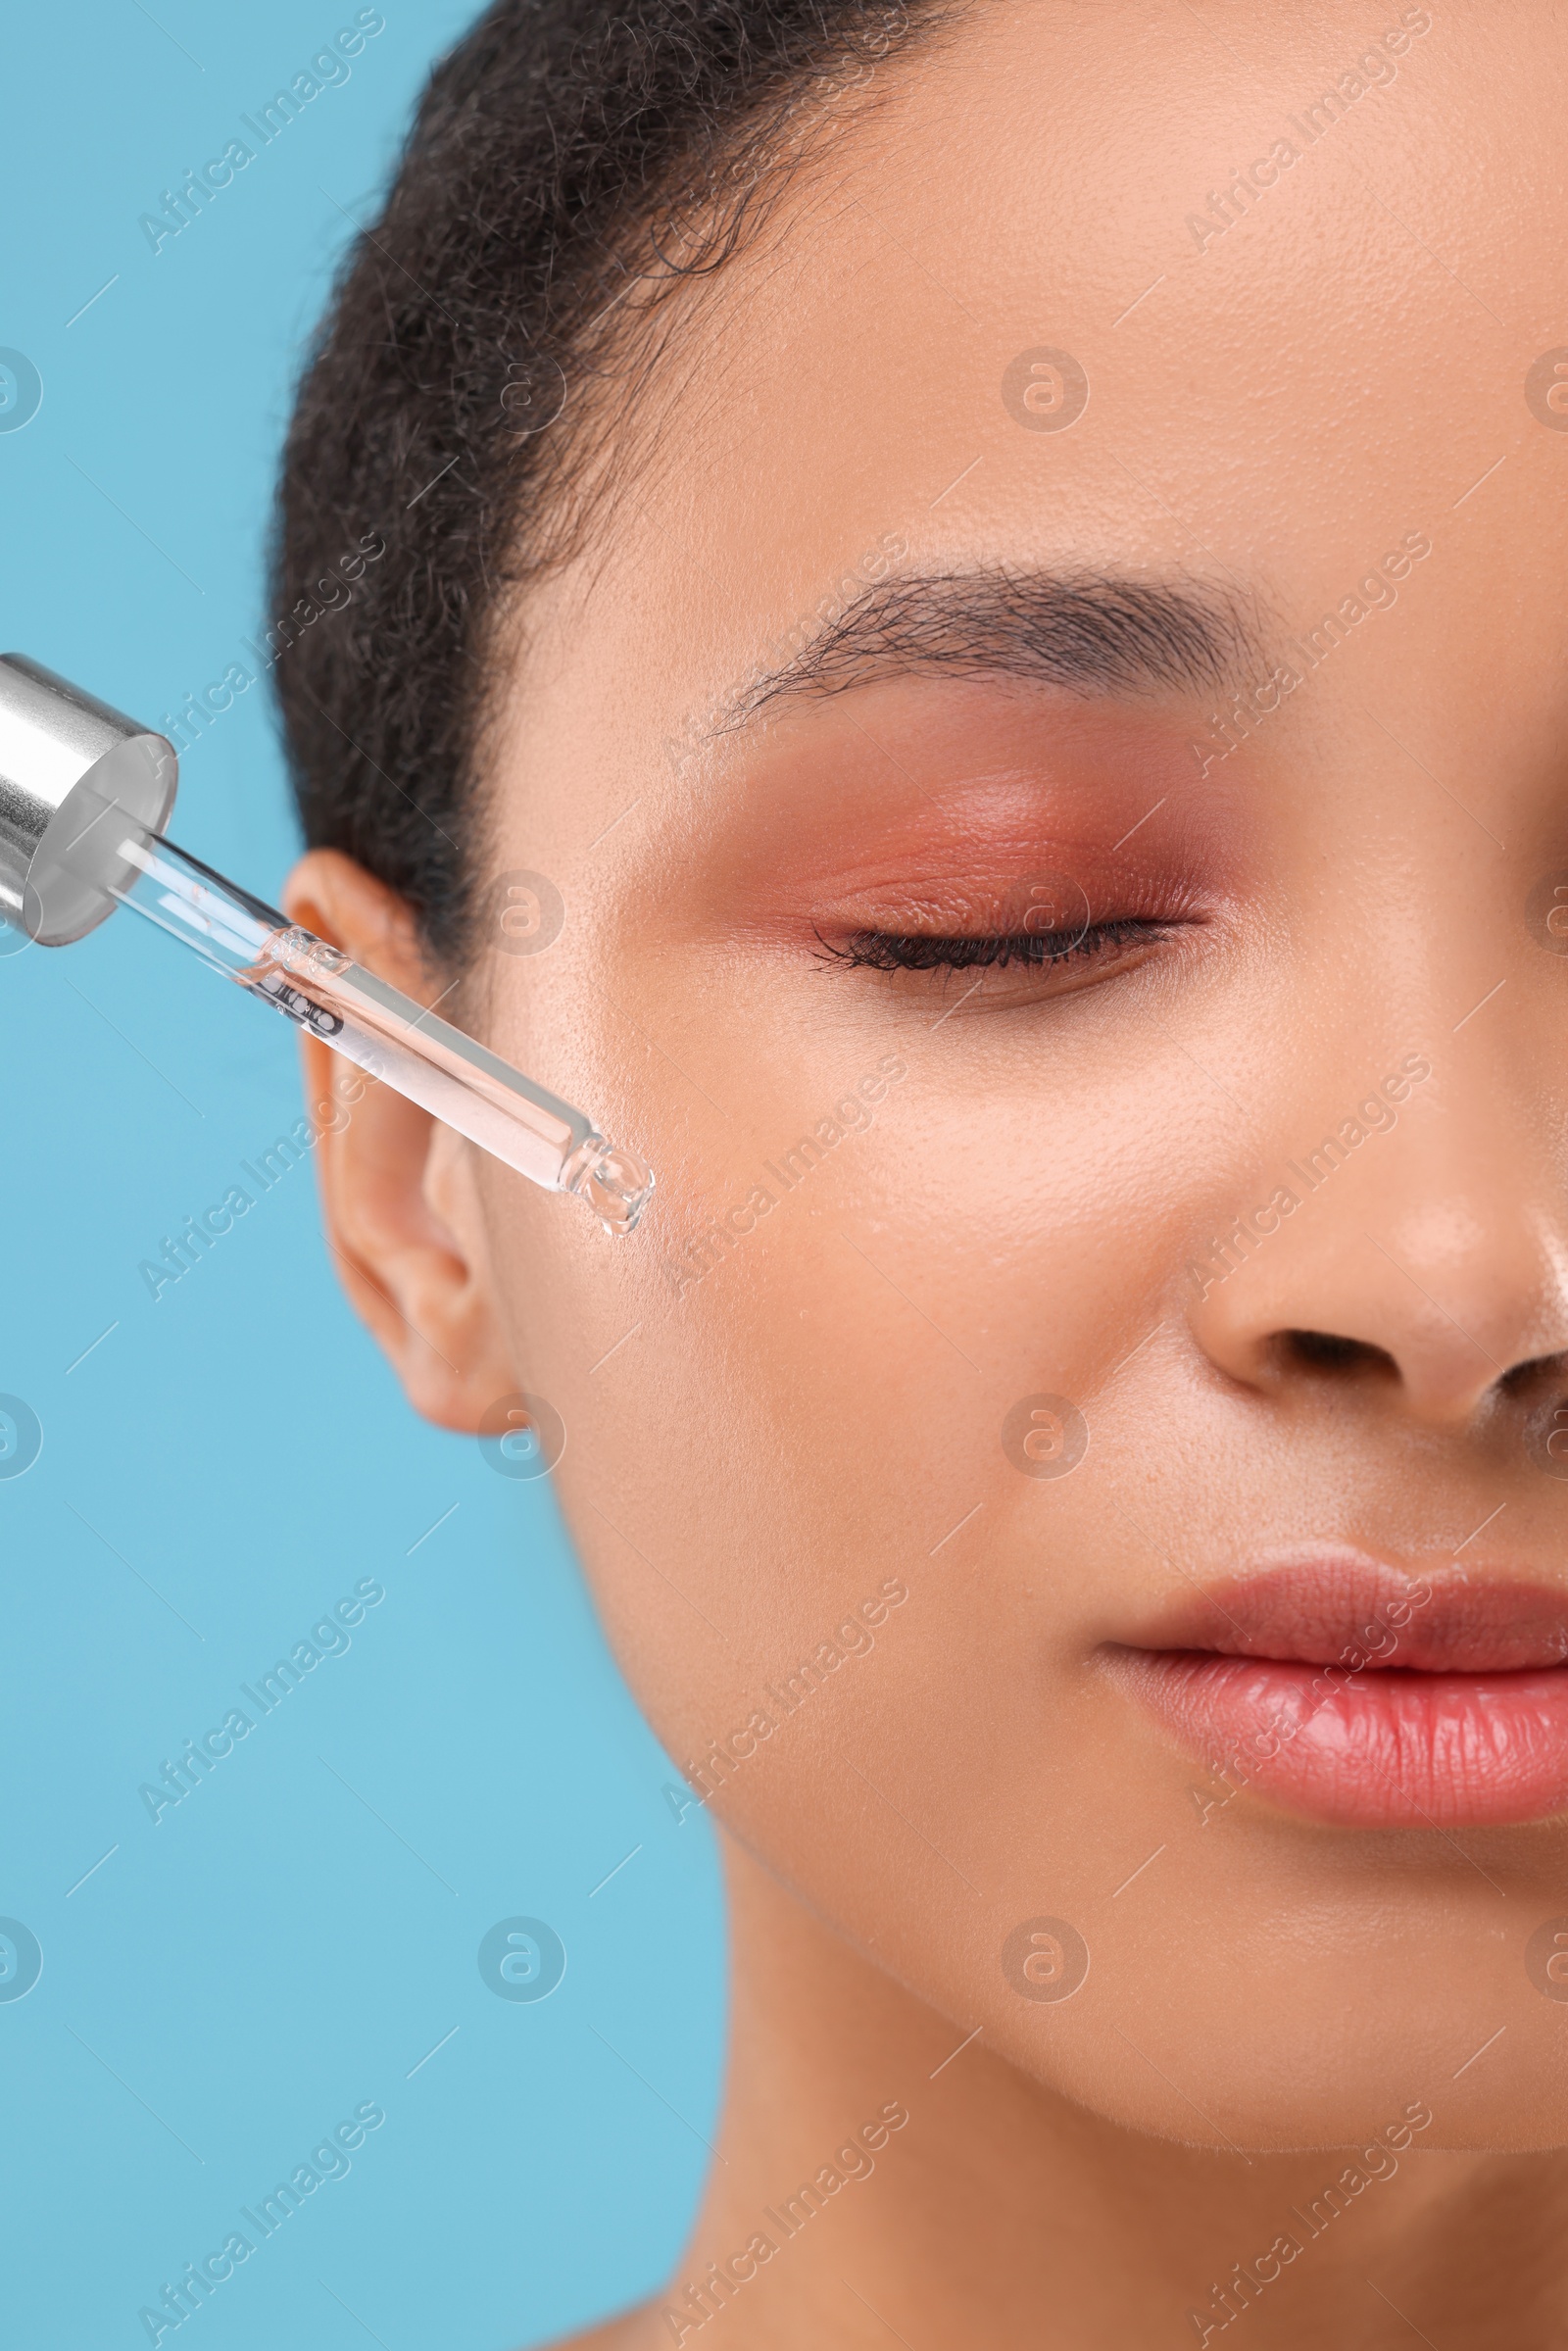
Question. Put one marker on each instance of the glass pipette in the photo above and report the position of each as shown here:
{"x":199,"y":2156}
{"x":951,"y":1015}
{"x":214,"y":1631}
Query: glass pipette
{"x":83,"y":794}
{"x":387,"y":1033}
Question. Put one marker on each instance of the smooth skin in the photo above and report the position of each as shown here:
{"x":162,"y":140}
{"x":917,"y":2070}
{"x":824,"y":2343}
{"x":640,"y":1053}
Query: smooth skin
{"x":811,"y":1408}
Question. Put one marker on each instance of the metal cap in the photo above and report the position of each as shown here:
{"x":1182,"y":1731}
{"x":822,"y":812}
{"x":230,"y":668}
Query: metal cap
{"x":69,"y":767}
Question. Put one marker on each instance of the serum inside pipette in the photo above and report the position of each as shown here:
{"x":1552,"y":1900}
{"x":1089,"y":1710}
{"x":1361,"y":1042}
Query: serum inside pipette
{"x":388,"y":1033}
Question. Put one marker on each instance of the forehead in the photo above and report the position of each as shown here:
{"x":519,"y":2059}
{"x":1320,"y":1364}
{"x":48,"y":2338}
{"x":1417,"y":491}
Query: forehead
{"x":1228,"y":292}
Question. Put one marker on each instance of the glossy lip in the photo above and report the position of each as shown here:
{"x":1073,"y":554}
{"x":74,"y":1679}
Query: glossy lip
{"x":1347,"y":1690}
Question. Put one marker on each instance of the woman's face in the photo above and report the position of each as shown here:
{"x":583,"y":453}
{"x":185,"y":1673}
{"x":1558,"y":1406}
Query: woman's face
{"x":1017,"y":1346}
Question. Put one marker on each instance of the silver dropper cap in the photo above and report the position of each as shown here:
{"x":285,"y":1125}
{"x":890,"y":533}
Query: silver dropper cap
{"x":67,"y":763}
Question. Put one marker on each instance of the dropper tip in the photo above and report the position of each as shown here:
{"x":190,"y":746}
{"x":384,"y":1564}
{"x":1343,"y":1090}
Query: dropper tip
{"x":615,"y":1183}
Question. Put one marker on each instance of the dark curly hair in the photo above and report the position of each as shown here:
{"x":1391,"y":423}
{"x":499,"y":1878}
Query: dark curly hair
{"x":570,"y":162}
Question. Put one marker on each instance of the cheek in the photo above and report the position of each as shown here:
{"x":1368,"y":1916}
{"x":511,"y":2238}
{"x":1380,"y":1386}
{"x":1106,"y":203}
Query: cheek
{"x":830,"y":1336}
{"x":820,"y":1404}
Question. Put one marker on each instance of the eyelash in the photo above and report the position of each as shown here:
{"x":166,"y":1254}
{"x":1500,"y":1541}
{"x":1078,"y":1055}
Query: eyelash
{"x":918,"y":951}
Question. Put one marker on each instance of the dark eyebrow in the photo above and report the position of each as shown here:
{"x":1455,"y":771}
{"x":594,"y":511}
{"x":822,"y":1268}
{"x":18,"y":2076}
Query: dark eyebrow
{"x":1092,"y":632}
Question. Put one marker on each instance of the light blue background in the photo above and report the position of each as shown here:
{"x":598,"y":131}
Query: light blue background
{"x":227,"y":1461}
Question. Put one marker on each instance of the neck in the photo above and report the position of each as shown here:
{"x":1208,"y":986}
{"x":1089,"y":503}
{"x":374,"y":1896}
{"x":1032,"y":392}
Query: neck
{"x":882,"y":2177}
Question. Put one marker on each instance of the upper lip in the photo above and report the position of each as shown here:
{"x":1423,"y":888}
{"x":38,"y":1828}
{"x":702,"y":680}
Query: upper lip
{"x":1345,"y":1607}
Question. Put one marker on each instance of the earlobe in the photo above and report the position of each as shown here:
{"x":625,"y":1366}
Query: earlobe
{"x":400,"y":1209}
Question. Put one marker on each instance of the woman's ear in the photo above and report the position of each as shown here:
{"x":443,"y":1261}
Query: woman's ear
{"x":398,"y":1197}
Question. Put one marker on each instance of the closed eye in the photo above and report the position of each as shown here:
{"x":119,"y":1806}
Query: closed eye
{"x":924,"y":950}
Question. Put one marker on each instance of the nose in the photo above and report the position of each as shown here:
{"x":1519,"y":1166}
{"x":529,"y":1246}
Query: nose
{"x":1416,"y":1249}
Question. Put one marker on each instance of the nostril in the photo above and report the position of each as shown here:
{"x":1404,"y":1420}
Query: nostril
{"x":1328,"y":1351}
{"x":1537,"y":1372}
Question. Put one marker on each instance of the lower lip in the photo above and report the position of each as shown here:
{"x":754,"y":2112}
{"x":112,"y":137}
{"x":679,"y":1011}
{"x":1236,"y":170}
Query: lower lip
{"x":1379,"y":1750}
